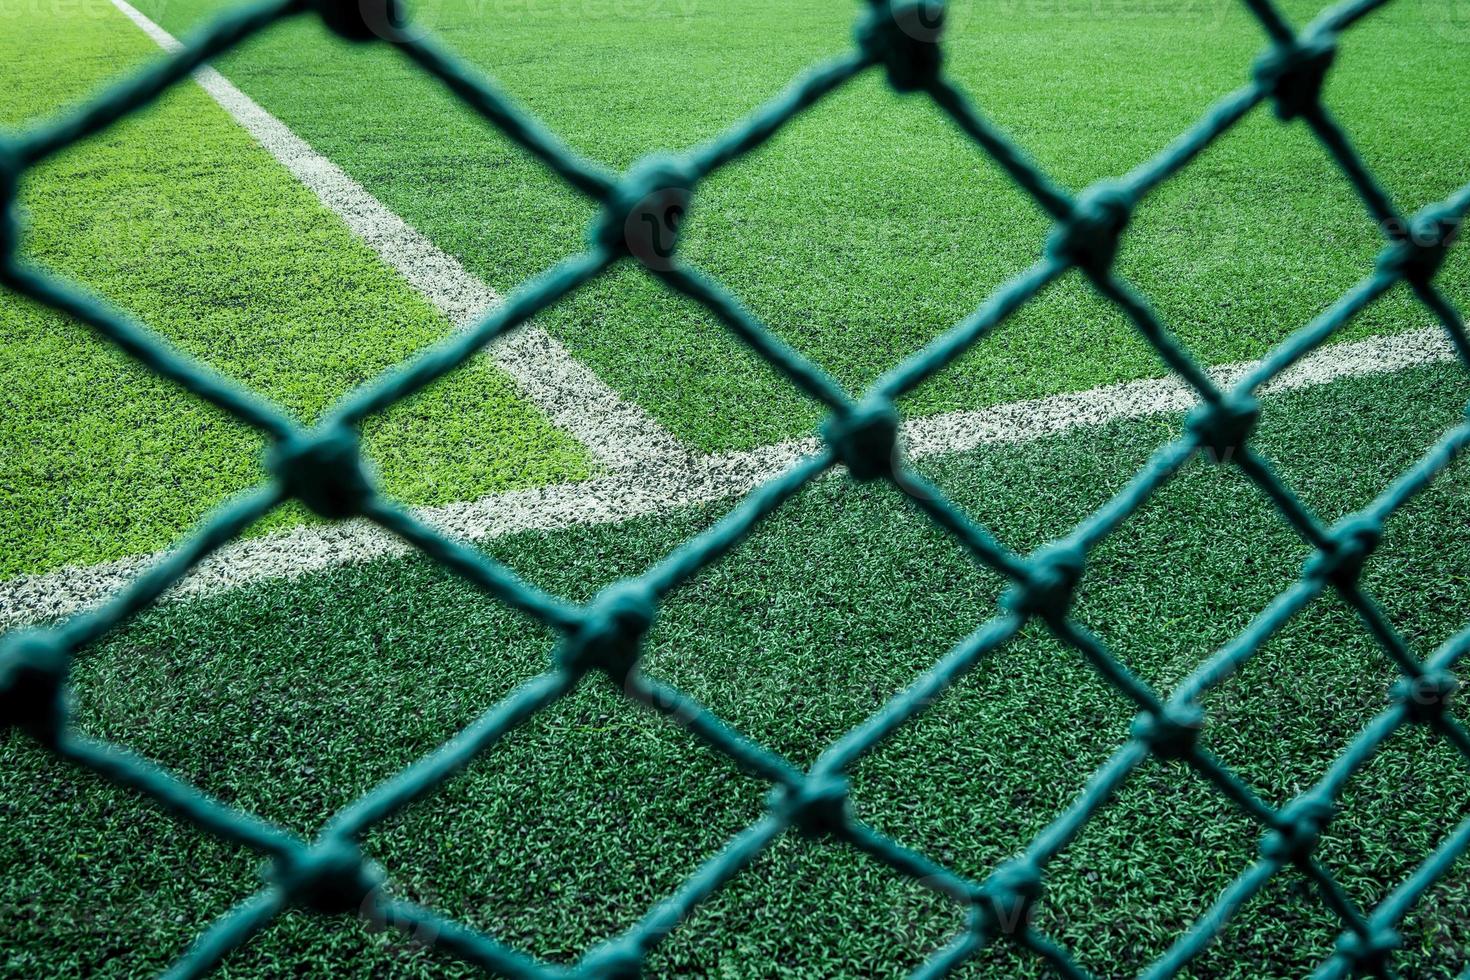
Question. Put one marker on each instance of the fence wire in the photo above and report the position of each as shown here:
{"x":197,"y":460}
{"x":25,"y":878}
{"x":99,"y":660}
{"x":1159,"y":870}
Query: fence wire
{"x":639,"y":212}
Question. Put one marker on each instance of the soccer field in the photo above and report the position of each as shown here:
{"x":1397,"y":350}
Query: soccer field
{"x":319,"y":212}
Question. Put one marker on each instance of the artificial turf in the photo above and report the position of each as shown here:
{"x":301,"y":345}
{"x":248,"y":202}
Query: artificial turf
{"x":869,"y":225}
{"x":860,"y":233}
{"x":291,"y":698}
{"x":179,"y":218}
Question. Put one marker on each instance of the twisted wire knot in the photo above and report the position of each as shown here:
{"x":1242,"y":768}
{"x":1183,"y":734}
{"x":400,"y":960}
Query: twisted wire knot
{"x":361,"y":20}
{"x":1008,"y":896}
{"x":610,"y":635}
{"x":1222,"y":428}
{"x":1051,"y":582}
{"x":323,"y":468}
{"x":1368,"y":955}
{"x":620,"y":959}
{"x":1426,"y":697}
{"x":33,"y":671}
{"x":1089,"y":237}
{"x":903,"y":36}
{"x":1171,"y":733}
{"x":9,"y":187}
{"x":1418,"y":251}
{"x":865,"y":438}
{"x":1352,"y":542}
{"x":643,"y":214}
{"x":815,"y":806}
{"x":330,"y":877}
{"x":1294,"y":72}
{"x":1298,"y":829}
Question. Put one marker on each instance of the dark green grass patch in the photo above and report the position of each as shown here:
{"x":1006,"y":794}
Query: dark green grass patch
{"x":179,"y":218}
{"x":290,"y":699}
{"x":869,"y":225}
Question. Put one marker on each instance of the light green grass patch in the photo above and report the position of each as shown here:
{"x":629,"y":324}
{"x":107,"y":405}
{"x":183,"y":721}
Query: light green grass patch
{"x":179,"y":218}
{"x":291,"y":698}
{"x":869,"y":225}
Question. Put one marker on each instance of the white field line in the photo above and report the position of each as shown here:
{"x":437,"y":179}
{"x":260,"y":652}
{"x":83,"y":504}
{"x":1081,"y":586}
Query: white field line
{"x":621,"y":496}
{"x":619,"y":434}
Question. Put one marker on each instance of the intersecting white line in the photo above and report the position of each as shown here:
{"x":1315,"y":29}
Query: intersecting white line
{"x":625,"y":495}
{"x":650,"y":472}
{"x":621,"y":435}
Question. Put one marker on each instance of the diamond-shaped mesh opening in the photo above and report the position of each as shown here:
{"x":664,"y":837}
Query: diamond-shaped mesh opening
{"x":1143,"y":869}
{"x":1285,"y":716}
{"x":1370,"y":93}
{"x":563,"y":835}
{"x":996,"y":757}
{"x":114,"y":897}
{"x":613,"y":323}
{"x":1211,"y":252}
{"x":1400,"y":806}
{"x":1284,"y":930}
{"x":1439,"y":934}
{"x":1021,"y":488}
{"x":1340,"y":471}
{"x":756,"y":618}
{"x":844,"y":282}
{"x":321,"y":467}
{"x":282,"y":736}
{"x":806,"y":910}
{"x":1170,"y":588}
{"x":1414,"y":579}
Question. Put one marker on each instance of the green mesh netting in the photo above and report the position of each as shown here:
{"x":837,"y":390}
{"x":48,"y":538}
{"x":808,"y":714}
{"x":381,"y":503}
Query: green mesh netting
{"x":321,"y":466}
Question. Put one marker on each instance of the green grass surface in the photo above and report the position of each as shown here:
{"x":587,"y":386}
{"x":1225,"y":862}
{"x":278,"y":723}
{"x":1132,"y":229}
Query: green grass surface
{"x":178,"y":217}
{"x":870,"y":225}
{"x":289,"y":699}
{"x":861,"y":232}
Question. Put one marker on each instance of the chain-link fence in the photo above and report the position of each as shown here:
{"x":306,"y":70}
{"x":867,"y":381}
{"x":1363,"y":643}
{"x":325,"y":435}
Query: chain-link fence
{"x":639,"y":221}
